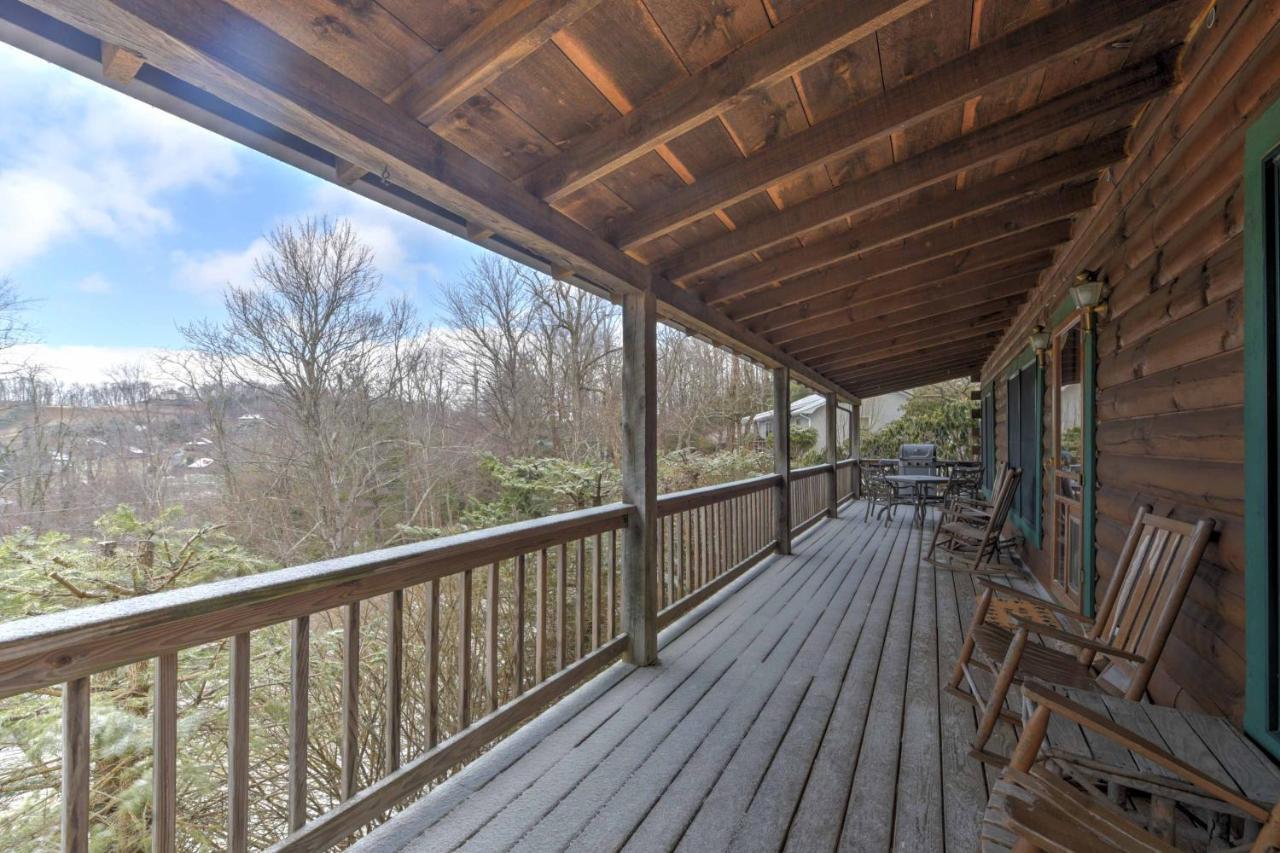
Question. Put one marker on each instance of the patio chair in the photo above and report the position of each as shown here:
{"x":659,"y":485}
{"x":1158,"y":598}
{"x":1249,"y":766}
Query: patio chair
{"x":880,"y":492}
{"x":1119,"y":652}
{"x":1037,"y":804}
{"x":968,"y":533}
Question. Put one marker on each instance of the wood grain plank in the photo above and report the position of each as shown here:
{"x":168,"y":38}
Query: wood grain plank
{"x":164,"y":757}
{"x":238,"y":747}
{"x":299,"y":699}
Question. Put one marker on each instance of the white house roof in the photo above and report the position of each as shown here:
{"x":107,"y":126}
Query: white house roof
{"x":804,"y":406}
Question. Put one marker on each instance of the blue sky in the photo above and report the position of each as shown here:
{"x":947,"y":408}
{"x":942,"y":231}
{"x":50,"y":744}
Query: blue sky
{"x":120,"y":222}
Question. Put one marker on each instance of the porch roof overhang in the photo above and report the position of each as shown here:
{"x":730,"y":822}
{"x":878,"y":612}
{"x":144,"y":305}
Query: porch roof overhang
{"x":863,"y":193}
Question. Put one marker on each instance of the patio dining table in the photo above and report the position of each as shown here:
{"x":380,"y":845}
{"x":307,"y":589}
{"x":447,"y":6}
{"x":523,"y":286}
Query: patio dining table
{"x":920,"y":484}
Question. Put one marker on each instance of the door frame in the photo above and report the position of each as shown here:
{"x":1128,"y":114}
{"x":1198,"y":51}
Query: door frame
{"x":1262,"y":428}
{"x":1061,"y":327}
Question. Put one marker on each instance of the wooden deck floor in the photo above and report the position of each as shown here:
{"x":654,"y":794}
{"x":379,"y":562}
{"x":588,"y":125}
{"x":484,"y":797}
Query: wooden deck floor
{"x":803,"y":711}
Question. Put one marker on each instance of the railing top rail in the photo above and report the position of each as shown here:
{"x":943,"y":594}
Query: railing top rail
{"x":811,"y":471}
{"x":43,"y":650}
{"x":844,"y":463}
{"x":703,"y":495}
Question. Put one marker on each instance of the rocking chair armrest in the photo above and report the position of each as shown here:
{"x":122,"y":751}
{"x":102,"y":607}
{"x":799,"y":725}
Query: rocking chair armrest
{"x":1042,"y":630}
{"x":1047,"y":699}
{"x":1011,"y":592}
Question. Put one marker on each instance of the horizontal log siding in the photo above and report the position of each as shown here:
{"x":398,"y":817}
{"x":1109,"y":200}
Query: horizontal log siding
{"x":1170,"y":364}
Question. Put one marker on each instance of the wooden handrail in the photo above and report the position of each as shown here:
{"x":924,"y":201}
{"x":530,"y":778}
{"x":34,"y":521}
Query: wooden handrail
{"x":706,"y":538}
{"x":44,"y":650}
{"x":704,"y":495}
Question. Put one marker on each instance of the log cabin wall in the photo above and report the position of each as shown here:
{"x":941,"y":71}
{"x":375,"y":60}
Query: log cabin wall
{"x":1166,"y":235}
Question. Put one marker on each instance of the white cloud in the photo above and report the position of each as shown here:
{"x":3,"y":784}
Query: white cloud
{"x":94,"y":283}
{"x":80,"y":159}
{"x":210,"y":272}
{"x":87,"y":364}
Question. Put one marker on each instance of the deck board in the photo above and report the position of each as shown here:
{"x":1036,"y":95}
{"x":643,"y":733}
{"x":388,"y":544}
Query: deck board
{"x":803,"y":710}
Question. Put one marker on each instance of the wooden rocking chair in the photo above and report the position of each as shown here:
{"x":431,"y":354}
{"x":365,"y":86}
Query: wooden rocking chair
{"x":968,"y":533}
{"x":1118,"y":654}
{"x":1033,"y":807}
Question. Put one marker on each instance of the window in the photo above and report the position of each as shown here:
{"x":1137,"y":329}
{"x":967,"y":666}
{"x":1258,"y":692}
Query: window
{"x":1023,"y":388}
{"x":1262,"y":429}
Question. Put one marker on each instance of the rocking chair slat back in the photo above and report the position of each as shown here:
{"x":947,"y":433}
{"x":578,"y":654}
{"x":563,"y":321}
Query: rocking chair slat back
{"x":1153,"y":574}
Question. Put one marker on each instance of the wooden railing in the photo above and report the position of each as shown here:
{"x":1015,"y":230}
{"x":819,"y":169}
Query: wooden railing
{"x":709,"y":536}
{"x":808,"y":496}
{"x":513,"y":655}
{"x":493,"y":625}
{"x":847,"y":478}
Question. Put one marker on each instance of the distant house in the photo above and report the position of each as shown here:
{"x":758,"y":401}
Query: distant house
{"x":806,"y":413}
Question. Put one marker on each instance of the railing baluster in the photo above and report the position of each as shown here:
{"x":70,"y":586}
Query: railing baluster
{"x":491,"y":638}
{"x":517,"y":665}
{"x":686,"y":553}
{"x":395,"y":681}
{"x":350,"y":698}
{"x":595,"y":594}
{"x":704,"y":539}
{"x":238,"y":747}
{"x":299,"y":684}
{"x":464,"y":652}
{"x":613,"y":568}
{"x":579,"y":603}
{"x":164,"y":758}
{"x":433,"y":662}
{"x":75,"y":766}
{"x":540,"y":639}
{"x":562,"y":611}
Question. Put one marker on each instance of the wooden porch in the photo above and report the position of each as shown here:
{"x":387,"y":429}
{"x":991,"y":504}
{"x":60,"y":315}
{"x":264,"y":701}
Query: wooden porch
{"x":799,"y":709}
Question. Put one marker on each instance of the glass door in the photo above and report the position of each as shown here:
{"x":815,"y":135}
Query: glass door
{"x":1067,"y":528}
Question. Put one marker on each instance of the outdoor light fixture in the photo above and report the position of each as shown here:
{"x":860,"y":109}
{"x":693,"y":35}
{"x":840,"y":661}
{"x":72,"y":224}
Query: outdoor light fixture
{"x":1086,"y":293}
{"x":1039,"y":342}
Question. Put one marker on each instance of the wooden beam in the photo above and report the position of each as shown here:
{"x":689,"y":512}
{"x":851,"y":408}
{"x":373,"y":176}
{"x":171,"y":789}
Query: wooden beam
{"x":263,"y":73}
{"x":837,"y":286}
{"x":894,"y":312}
{"x":1120,"y":91}
{"x":795,"y":43}
{"x":956,"y":370}
{"x":120,"y":64}
{"x":477,"y":233}
{"x":828,"y":332}
{"x":782,"y":459}
{"x":923,"y":355}
{"x":970,"y":232}
{"x":908,"y":374}
{"x":918,"y":329}
{"x":991,"y":324}
{"x":922,"y":373}
{"x":347,"y":173}
{"x":1075,"y":28}
{"x":925,"y":213}
{"x":640,"y":476}
{"x":510,"y":32}
{"x":828,"y":335}
{"x":833,"y":442}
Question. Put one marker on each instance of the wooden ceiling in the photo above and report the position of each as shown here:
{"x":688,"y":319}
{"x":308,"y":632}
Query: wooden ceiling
{"x":862,"y":191}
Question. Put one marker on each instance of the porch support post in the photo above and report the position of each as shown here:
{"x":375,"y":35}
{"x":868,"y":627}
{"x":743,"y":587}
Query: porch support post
{"x":833,"y":455}
{"x":855,"y":446}
{"x":782,"y":456}
{"x":640,"y":476}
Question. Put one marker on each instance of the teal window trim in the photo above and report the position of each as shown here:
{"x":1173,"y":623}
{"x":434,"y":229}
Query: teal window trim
{"x":1262,"y":427}
{"x":1088,"y":480}
{"x":988,"y":437}
{"x":1031,"y":527}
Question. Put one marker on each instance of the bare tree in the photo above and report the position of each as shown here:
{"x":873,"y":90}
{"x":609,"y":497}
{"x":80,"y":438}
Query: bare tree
{"x":315,"y":339}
